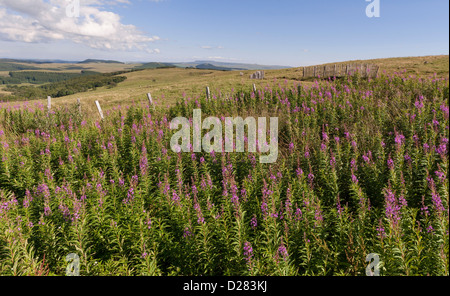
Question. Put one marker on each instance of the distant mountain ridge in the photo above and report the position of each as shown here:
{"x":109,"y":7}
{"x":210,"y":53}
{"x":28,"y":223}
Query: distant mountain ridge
{"x":200,"y":64}
{"x":90,"y":61}
{"x":213,"y":65}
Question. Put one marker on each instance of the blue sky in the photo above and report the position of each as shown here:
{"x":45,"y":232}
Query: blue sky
{"x":283,"y":32}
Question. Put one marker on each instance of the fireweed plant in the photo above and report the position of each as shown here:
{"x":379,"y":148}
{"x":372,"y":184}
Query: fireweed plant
{"x":362,"y":168}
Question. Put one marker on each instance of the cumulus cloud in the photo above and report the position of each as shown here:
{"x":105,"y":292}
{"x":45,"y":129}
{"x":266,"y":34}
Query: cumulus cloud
{"x":44,"y":21}
{"x":211,"y":47}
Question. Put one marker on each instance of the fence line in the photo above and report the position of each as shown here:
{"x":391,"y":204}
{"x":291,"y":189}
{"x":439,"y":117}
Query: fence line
{"x":365,"y":70}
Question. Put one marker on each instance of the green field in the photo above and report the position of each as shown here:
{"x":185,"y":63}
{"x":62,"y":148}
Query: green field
{"x":169,"y":85}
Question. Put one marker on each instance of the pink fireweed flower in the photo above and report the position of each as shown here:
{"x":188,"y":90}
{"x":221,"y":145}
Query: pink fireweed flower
{"x":381,"y":230}
{"x":390,"y":163}
{"x":338,"y":206}
{"x":291,"y":147}
{"x":28,"y":199}
{"x":441,"y":176}
{"x":307,"y":155}
{"x":311,"y":177}
{"x":298,"y":214}
{"x":399,"y":140}
{"x":419,"y":104}
{"x":198,"y":210}
{"x":244,"y":194}
{"x":282,"y":252}
{"x":194,"y":189}
{"x":248,"y":253}
{"x":187,"y":233}
{"x":445,"y":110}
{"x":441,"y":149}
{"x":407,"y":158}
{"x":130,"y":196}
{"x":254,"y":222}
{"x":435,"y":197}
{"x":393,"y":207}
{"x":332,"y":161}
{"x":175,"y":197}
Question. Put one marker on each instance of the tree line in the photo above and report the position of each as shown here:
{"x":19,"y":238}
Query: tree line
{"x":63,"y":88}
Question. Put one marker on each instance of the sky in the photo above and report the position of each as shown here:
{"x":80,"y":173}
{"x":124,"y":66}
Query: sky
{"x":283,"y":32}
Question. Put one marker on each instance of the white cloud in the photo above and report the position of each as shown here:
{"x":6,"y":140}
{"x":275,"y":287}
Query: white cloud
{"x":211,"y":47}
{"x":44,"y":21}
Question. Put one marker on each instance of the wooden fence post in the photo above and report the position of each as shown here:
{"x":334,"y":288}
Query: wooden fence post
{"x":79,"y":105}
{"x":150,"y":100}
{"x":254,"y":88}
{"x":208,"y":93}
{"x":99,"y":109}
{"x":49,"y":103}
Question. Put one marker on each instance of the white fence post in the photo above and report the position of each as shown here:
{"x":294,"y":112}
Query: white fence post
{"x":79,"y":105}
{"x":208,"y":94}
{"x":49,"y":103}
{"x":150,"y":100}
{"x":99,"y":109}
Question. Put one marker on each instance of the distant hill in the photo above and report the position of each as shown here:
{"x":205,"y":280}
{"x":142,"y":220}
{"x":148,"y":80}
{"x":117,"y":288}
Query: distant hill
{"x":200,"y":64}
{"x":208,"y":66}
{"x":154,"y":65}
{"x":213,"y":65}
{"x":91,"y":61}
{"x":12,"y":66}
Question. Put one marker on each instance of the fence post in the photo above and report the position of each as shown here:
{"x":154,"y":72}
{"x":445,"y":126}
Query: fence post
{"x":254,"y":88}
{"x":49,"y":103}
{"x":79,"y":105}
{"x":150,"y":100}
{"x":99,"y":109}
{"x":207,"y":92}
